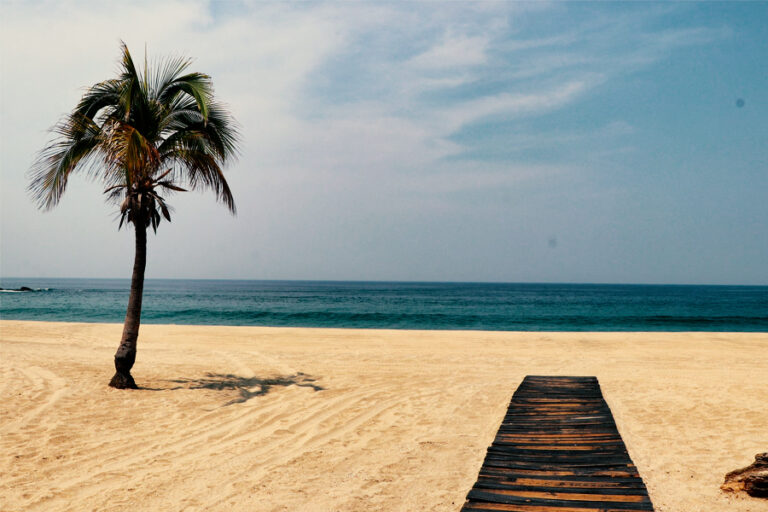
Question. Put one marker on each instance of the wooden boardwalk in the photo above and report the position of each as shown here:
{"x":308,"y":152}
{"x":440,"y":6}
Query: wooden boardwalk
{"x":558,"y":450}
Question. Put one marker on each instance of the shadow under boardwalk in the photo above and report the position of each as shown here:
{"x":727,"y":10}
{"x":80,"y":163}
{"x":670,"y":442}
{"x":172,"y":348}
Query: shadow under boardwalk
{"x":558,"y":450}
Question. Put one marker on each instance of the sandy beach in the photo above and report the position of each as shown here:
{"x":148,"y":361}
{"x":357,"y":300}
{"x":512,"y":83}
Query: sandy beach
{"x":287,"y":419}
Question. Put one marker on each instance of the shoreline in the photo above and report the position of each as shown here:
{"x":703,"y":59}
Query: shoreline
{"x":289,"y":418}
{"x":388,"y":329}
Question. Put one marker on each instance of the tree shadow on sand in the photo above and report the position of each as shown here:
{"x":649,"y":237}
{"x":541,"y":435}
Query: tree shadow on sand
{"x":247,"y":387}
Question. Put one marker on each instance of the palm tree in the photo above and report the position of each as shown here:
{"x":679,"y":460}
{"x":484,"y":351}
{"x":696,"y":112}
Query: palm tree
{"x":141,"y":133}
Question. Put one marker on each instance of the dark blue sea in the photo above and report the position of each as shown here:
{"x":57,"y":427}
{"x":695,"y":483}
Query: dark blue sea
{"x":453,"y":306}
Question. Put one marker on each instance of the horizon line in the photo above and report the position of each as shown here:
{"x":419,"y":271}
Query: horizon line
{"x":397,"y":281}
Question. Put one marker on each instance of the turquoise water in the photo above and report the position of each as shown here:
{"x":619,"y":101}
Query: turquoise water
{"x":476,"y":306}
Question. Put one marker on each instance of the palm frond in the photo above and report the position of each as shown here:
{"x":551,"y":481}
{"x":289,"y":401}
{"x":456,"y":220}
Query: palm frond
{"x":223,"y":132}
{"x":79,"y":140}
{"x":170,"y":186}
{"x":101,"y":95}
{"x":117,"y":194}
{"x":128,"y":150}
{"x":168,"y":72}
{"x":130,"y":83}
{"x":196,"y":85}
{"x":219,"y":134}
{"x":198,"y":161}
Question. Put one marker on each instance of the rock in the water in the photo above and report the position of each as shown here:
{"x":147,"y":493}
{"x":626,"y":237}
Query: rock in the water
{"x":752,"y":479}
{"x":22,"y":289}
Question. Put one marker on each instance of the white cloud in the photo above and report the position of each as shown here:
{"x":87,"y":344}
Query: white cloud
{"x":452,"y":52}
{"x":509,"y":104}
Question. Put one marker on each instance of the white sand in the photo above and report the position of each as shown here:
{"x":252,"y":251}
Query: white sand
{"x":401,"y":424}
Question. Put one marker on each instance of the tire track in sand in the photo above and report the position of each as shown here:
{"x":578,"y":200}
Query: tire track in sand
{"x":48,"y":388}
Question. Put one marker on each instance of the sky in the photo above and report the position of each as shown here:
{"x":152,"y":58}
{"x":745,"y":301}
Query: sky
{"x":507,"y":142}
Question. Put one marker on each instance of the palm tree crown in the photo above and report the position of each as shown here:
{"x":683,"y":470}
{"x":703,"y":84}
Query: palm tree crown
{"x":141,"y":132}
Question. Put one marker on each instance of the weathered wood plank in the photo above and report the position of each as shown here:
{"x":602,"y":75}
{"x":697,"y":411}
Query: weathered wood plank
{"x":558,"y":450}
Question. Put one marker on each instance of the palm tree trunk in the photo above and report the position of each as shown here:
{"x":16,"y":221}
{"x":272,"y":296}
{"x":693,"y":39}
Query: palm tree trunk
{"x":126,"y":352}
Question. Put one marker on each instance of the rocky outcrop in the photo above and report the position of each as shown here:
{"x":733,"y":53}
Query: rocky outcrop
{"x":22,"y":289}
{"x":752,"y":479}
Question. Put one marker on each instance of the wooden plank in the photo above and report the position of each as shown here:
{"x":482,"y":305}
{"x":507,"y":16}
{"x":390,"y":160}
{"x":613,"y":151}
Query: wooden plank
{"x":561,"y":483}
{"x":552,"y":489}
{"x":558,"y":450}
{"x":476,"y":495}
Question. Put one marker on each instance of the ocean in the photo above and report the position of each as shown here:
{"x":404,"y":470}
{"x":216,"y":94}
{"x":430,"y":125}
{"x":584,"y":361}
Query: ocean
{"x":408,"y":305}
